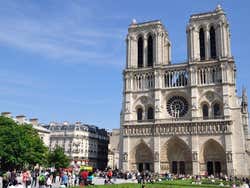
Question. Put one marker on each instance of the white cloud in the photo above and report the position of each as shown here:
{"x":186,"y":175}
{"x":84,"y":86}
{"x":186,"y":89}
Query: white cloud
{"x":72,"y":37}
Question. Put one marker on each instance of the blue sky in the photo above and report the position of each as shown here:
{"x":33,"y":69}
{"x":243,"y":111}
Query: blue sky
{"x":63,"y":59}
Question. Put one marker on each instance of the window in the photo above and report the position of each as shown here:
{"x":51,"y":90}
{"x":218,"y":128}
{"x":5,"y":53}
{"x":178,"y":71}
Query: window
{"x":205,"y":111}
{"x":139,"y":114}
{"x":216,"y":109}
{"x":202,"y":44}
{"x":212,"y":43}
{"x":140,"y":52}
{"x":150,"y":113}
{"x":150,"y":51}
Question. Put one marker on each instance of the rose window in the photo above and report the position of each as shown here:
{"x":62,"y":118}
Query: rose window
{"x":177,"y":106}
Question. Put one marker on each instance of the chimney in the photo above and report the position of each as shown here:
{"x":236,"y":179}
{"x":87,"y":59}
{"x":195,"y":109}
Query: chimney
{"x":6,"y":114}
{"x":78,"y":123}
{"x":34,"y":121}
{"x":20,"y":119}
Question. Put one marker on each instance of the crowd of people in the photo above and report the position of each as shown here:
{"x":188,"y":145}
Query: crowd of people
{"x":36,"y":178}
{"x":69,"y":178}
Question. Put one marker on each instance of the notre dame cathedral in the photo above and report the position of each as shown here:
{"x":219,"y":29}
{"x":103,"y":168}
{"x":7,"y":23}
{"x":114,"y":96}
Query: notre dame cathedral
{"x":183,"y":118}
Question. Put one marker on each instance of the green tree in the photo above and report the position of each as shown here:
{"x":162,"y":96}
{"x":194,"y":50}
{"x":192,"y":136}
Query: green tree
{"x":20,"y":145}
{"x":57,"y":158}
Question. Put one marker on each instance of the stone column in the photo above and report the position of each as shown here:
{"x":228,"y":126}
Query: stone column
{"x":207,"y":43}
{"x":133,"y":50}
{"x":229,"y":157}
{"x":157,"y":93}
{"x":160,"y":47}
{"x":145,"y":51}
{"x":157,"y":154}
{"x":230,"y":169}
{"x":128,"y":111}
{"x":125,"y":154}
{"x":195,"y":155}
{"x":128,"y":52}
{"x":191,"y":43}
{"x":228,"y":41}
{"x":196,"y":45}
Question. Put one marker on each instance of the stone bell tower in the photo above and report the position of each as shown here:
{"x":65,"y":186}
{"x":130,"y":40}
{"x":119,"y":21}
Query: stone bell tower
{"x":208,"y":36}
{"x":147,"y":45}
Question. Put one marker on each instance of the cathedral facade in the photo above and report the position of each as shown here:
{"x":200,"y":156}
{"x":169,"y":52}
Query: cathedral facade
{"x":183,"y":118}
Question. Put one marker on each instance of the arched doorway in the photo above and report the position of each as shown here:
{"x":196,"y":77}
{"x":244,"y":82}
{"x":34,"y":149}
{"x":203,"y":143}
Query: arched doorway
{"x":213,"y":158}
{"x":179,"y":156}
{"x":142,"y":157}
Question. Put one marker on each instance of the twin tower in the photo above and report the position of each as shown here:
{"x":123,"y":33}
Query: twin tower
{"x":208,"y":37}
{"x":183,"y":118}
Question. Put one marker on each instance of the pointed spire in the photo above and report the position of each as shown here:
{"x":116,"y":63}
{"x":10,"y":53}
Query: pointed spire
{"x":244,"y":95}
{"x":244,"y":102}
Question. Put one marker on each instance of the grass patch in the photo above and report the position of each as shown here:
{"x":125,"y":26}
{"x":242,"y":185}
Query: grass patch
{"x":163,"y":184}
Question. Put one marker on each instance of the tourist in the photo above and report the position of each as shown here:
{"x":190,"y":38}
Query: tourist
{"x":26,"y":178}
{"x":65,"y":179}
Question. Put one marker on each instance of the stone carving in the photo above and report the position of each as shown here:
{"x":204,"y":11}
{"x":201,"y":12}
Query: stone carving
{"x":157,"y":108}
{"x":210,"y":95}
{"x":125,"y":157}
{"x":144,"y":100}
{"x":194,"y":156}
{"x":156,"y":157}
{"x":229,"y":156}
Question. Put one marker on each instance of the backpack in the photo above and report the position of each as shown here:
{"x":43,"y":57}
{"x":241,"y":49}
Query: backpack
{"x":41,"y":179}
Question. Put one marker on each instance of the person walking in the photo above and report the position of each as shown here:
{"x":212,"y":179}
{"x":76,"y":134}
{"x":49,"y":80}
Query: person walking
{"x":65,"y":179}
{"x":49,"y":181}
{"x":34,"y":175}
{"x":26,"y":178}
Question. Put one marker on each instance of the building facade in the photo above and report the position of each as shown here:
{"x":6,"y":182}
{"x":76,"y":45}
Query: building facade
{"x":114,"y":149}
{"x":183,"y":118}
{"x":84,"y":144}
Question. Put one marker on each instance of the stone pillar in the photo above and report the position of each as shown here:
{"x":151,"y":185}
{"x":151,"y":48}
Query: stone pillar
{"x":157,"y":93}
{"x":230,"y":169}
{"x":128,"y":111}
{"x":228,"y":41}
{"x":228,"y":149}
{"x":218,"y":41}
{"x":157,"y":154}
{"x":191,"y":43}
{"x":125,"y":154}
{"x":128,"y":62}
{"x":207,"y":43}
{"x":133,"y":52}
{"x":160,"y":47}
{"x":223,"y":39}
{"x":195,"y":155}
{"x":145,"y":51}
{"x":196,"y":44}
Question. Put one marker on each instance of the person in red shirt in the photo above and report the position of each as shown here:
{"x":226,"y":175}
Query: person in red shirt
{"x":26,"y":178}
{"x":109,"y":174}
{"x":84,"y":176}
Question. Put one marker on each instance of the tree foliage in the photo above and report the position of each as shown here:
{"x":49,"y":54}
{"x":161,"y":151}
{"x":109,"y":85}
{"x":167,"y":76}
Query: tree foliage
{"x":57,"y":158}
{"x":20,"y":145}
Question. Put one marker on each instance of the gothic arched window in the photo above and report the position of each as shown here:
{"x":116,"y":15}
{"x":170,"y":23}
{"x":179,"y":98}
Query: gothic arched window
{"x":150,"y":113}
{"x":139,"y":114}
{"x":150,"y":51}
{"x":140,"y":52}
{"x":212,"y":43}
{"x":202,"y":44}
{"x":205,"y":111}
{"x":217,"y":110}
